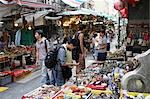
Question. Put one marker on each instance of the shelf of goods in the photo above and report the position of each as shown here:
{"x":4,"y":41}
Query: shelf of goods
{"x":11,"y":67}
{"x":5,"y":78}
{"x":118,"y":55}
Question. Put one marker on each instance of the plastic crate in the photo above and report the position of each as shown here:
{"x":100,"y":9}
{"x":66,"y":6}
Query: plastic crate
{"x":5,"y":79}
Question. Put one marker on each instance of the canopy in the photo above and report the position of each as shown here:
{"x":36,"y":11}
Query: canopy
{"x":92,"y":12}
{"x":5,"y":9}
{"x":77,"y":12}
{"x":38,"y":17}
{"x":82,"y":11}
{"x":34,"y":4}
{"x":53,"y":18}
{"x":74,"y":3}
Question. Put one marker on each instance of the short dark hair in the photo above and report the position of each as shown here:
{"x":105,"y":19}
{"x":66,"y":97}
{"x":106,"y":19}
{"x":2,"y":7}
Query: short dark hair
{"x":101,"y":30}
{"x":40,"y":32}
{"x":82,"y":27}
{"x":73,"y":42}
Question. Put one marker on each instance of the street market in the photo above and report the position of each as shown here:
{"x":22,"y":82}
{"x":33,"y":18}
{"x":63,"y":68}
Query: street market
{"x":74,"y":49}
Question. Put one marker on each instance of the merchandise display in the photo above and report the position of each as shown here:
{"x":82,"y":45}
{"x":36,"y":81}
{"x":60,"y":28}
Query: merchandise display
{"x":91,"y":83}
{"x":12,"y":63}
{"x":98,"y":81}
{"x":73,"y":92}
{"x":117,"y":55}
{"x":43,"y":92}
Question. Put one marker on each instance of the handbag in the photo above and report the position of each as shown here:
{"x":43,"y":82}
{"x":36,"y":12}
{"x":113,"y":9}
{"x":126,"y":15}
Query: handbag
{"x":67,"y":72}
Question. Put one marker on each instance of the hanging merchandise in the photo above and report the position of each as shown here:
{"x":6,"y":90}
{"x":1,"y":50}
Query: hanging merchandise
{"x":18,"y":37}
{"x":27,"y":37}
{"x":124,"y":12}
{"x":133,"y":2}
{"x":119,"y":5}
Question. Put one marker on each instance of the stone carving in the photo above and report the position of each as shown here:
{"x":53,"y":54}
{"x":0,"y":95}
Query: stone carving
{"x":139,"y":79}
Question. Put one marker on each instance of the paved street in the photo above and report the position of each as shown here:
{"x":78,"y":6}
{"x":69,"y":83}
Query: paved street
{"x":16,"y":90}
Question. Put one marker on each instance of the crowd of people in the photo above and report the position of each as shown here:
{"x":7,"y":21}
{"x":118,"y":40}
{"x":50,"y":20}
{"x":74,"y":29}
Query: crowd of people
{"x":73,"y":48}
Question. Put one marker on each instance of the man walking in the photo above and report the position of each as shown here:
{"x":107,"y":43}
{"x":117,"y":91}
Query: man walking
{"x":42,"y":47}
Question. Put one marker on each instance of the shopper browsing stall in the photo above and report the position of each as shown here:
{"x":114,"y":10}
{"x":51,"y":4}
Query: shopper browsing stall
{"x":79,"y":51}
{"x":102,"y":46}
{"x":42,"y":47}
{"x":58,"y":76}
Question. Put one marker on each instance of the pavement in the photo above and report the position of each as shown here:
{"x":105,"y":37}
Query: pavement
{"x":17,"y":90}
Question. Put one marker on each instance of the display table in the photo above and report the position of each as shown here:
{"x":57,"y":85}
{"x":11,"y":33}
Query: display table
{"x":91,"y":83}
{"x":43,"y":92}
{"x":85,"y":85}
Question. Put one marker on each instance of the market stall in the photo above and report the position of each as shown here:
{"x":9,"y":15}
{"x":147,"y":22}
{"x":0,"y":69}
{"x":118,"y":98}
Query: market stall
{"x":13,"y":65}
{"x":94,"y":80}
{"x":99,"y":80}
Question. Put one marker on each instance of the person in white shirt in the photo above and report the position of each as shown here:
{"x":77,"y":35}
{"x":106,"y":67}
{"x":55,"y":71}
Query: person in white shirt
{"x":42,"y":47}
{"x":102,"y":46}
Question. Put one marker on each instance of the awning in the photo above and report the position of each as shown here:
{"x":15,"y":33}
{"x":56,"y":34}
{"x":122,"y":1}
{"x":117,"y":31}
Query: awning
{"x":38,"y":17}
{"x":27,"y":3}
{"x":82,"y":11}
{"x":8,"y":1}
{"x":53,"y":18}
{"x":74,"y":3}
{"x":92,"y":12}
{"x":35,"y":4}
{"x":77,"y":12}
{"x":5,"y":9}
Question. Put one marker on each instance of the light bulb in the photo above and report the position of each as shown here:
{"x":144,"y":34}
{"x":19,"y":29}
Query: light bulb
{"x":16,"y":24}
{"x":29,"y":27}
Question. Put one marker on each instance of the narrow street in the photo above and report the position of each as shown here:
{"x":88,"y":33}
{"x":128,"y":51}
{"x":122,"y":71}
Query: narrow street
{"x":86,"y":49}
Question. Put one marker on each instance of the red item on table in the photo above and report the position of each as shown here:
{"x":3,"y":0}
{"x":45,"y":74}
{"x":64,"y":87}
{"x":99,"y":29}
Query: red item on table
{"x":97,"y":87}
{"x":17,"y":73}
{"x":8,"y":72}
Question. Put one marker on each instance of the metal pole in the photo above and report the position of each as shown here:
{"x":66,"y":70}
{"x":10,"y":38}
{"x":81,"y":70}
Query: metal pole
{"x":119,"y":31}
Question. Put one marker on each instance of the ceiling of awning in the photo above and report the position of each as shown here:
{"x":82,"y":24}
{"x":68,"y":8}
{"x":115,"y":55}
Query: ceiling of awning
{"x":35,"y":4}
{"x":5,"y":9}
{"x":38,"y":17}
{"x":74,"y":3}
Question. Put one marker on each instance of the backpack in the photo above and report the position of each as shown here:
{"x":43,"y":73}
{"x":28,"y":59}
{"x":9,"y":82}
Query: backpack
{"x":51,"y":57}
